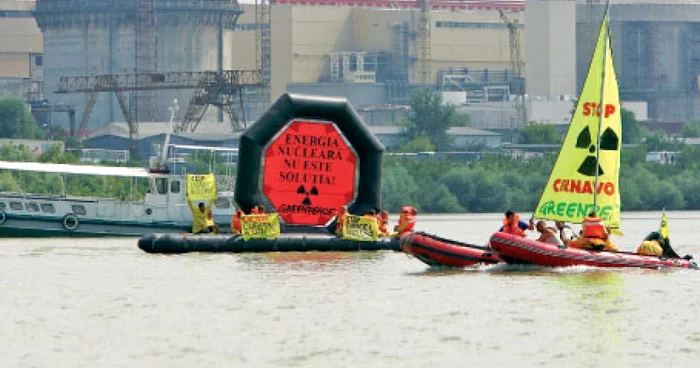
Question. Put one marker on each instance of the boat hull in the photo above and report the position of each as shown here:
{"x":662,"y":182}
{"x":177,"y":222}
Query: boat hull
{"x":513,"y":249}
{"x":290,"y":242}
{"x":30,"y":227}
{"x":436,"y":251}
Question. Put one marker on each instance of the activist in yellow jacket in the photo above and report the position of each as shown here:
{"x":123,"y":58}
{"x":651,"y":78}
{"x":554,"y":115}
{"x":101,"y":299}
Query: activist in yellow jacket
{"x":199,"y":217}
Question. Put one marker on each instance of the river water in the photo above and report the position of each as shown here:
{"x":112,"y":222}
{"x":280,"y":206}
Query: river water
{"x":103,"y":302}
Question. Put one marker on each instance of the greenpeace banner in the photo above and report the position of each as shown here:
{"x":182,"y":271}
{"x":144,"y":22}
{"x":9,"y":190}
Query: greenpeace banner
{"x":360,"y":228}
{"x":260,"y":226}
{"x":568,"y":195}
{"x":309,"y":172}
{"x":201,"y":187}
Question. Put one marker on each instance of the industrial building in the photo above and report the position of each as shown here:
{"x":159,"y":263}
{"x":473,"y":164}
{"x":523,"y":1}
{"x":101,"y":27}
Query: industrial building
{"x":96,"y":37}
{"x":372,"y":52}
{"x":21,"y":48}
{"x":656,"y":49}
{"x":369,"y":53}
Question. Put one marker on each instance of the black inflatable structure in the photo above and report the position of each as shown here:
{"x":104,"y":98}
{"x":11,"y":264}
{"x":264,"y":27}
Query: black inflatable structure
{"x":290,"y":106}
{"x":252,"y":145}
{"x":172,"y":243}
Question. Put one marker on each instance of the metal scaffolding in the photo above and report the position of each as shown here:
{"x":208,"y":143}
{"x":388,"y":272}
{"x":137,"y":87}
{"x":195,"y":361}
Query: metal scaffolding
{"x":224,"y":89}
{"x":424,"y":53}
{"x":263,"y":28}
{"x":146,"y":57}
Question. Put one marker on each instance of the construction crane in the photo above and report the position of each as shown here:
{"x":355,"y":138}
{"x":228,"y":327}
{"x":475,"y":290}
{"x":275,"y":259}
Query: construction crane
{"x":424,"y":77}
{"x":224,"y":89}
{"x":516,"y":66}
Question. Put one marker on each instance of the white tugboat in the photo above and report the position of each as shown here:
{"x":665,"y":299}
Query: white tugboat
{"x":163,"y":209}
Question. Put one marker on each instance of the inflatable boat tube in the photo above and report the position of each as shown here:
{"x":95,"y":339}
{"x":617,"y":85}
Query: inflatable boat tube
{"x":513,"y":249}
{"x":183,"y":243}
{"x":436,"y":251}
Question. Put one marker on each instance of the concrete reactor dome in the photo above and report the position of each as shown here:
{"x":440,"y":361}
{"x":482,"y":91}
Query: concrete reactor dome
{"x":95,"y":37}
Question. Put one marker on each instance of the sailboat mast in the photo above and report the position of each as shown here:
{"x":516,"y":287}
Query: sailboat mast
{"x":601,"y":105}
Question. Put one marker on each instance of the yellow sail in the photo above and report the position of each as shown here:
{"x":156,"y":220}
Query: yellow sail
{"x":568,"y":195}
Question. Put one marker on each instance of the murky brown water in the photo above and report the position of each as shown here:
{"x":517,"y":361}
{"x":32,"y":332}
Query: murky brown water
{"x":102,"y":302}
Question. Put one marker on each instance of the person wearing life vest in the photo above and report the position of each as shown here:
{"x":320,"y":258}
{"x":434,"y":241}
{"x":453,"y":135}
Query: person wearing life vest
{"x":513,"y":225}
{"x":255,"y":210}
{"x":383,"y":220}
{"x":407,"y":221}
{"x":236,"y":227}
{"x":340,"y":219}
{"x":212,"y":227}
{"x":656,"y":245}
{"x":199,"y":216}
{"x":594,"y":227}
{"x":594,"y":235}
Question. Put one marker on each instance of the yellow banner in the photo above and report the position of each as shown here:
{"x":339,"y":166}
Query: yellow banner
{"x":568,"y":195}
{"x":360,"y":228}
{"x":201,"y":187}
{"x":260,"y":226}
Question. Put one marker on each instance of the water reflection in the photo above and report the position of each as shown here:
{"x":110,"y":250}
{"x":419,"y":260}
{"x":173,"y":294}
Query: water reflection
{"x":596,"y":299}
{"x":319,"y":259}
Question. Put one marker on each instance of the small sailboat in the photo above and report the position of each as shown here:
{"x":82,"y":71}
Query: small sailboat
{"x":585,"y":177}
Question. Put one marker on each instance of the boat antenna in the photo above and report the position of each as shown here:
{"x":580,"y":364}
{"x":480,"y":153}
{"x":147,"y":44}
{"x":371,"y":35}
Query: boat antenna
{"x":601,"y":105}
{"x":163,"y":156}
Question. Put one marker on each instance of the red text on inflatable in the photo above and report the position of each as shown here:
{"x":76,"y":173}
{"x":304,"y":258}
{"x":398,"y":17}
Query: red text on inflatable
{"x":309,"y":173}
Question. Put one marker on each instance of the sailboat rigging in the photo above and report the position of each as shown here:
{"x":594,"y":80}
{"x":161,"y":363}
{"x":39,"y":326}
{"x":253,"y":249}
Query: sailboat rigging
{"x":585,"y":177}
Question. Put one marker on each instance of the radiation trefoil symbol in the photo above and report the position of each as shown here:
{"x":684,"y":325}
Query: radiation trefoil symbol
{"x":609,"y":141}
{"x":307,"y":198}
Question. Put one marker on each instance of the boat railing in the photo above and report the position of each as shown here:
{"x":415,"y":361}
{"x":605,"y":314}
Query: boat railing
{"x":60,"y":198}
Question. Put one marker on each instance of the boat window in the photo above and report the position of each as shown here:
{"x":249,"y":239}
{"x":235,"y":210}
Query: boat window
{"x":48,"y":208}
{"x":32,"y":207}
{"x":16,"y":206}
{"x":222,"y":203}
{"x":162,"y":185}
{"x":78,"y":209}
{"x":3,"y":205}
{"x":174,"y":186}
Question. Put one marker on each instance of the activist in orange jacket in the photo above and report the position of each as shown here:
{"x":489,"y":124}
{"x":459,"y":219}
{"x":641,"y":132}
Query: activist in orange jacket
{"x":340,"y":219}
{"x":236,"y":222}
{"x":383,"y":221}
{"x":199,"y":216}
{"x":407,"y":221}
{"x":595,"y":235}
{"x":594,"y":227}
{"x":513,"y":225}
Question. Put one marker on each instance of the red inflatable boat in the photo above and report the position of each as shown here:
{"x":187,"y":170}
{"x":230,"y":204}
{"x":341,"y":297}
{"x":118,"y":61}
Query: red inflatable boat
{"x":436,"y":251}
{"x":513,"y":249}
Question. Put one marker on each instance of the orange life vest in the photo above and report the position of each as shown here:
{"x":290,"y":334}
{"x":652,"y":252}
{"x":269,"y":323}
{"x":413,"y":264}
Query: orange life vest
{"x":340,"y":217}
{"x":406,"y":224}
{"x":236,"y":223}
{"x":594,"y":227}
{"x":382,"y":224}
{"x":254,"y":210}
{"x":513,"y":228}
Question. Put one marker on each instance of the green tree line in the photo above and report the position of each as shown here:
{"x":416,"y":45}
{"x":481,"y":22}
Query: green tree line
{"x":499,"y":182}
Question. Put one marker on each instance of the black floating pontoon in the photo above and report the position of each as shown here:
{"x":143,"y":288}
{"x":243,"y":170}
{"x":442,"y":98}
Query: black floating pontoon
{"x":175,"y":243}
